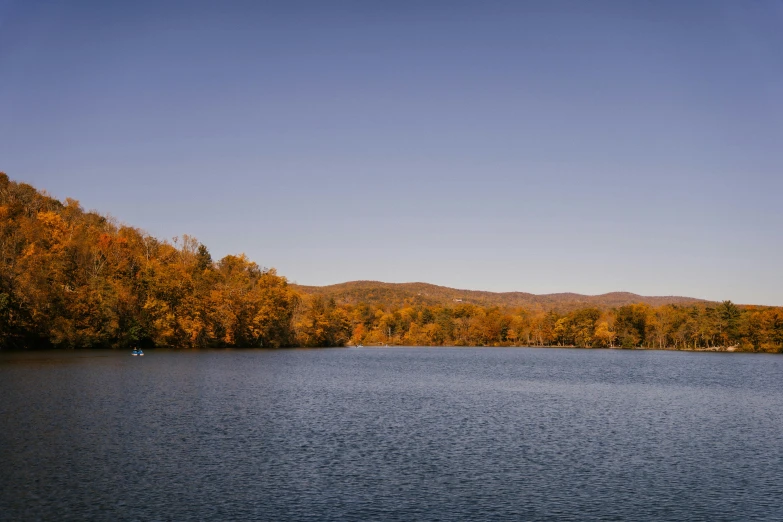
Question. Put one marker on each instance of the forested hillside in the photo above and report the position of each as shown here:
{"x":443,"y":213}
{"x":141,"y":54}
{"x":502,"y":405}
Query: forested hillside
{"x":76,"y":279}
{"x":70,"y":278}
{"x":406,"y":294}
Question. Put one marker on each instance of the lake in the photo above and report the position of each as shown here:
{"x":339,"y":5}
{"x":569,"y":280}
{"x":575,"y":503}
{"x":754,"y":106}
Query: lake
{"x":391,"y":434}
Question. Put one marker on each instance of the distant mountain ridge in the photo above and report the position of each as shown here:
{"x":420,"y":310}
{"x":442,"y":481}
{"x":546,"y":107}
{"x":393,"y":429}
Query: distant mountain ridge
{"x":398,"y":294}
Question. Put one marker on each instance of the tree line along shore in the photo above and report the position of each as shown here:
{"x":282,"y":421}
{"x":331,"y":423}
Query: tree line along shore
{"x":76,"y":279}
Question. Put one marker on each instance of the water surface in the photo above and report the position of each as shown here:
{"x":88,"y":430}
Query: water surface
{"x":392,"y":434}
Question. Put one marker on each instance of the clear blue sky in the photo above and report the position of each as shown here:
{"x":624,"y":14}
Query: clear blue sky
{"x":533,"y":146}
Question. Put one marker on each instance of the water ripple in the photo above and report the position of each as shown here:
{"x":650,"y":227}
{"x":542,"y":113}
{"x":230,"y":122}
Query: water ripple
{"x":392,"y":434}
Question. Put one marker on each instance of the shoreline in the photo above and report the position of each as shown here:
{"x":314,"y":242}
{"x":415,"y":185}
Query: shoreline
{"x":719,"y":349}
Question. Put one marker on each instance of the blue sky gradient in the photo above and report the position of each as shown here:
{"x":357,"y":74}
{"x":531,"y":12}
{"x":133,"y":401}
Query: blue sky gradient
{"x":533,"y":146}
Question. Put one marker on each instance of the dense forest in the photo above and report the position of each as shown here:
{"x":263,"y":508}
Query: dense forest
{"x":76,"y":279}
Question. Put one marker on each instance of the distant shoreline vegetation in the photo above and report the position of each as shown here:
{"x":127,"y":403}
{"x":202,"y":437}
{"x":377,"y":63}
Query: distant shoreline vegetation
{"x":76,"y":279}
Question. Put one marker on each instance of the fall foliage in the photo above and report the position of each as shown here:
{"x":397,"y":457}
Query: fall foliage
{"x":70,"y":278}
{"x":693,"y":327}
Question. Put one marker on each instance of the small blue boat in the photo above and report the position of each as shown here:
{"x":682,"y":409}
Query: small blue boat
{"x":136,"y":352}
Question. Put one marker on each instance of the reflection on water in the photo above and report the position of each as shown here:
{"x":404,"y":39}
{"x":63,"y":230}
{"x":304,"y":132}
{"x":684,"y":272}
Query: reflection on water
{"x":391,"y":434}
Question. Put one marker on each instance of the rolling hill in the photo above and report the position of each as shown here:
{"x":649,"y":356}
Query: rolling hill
{"x":400,"y":294}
